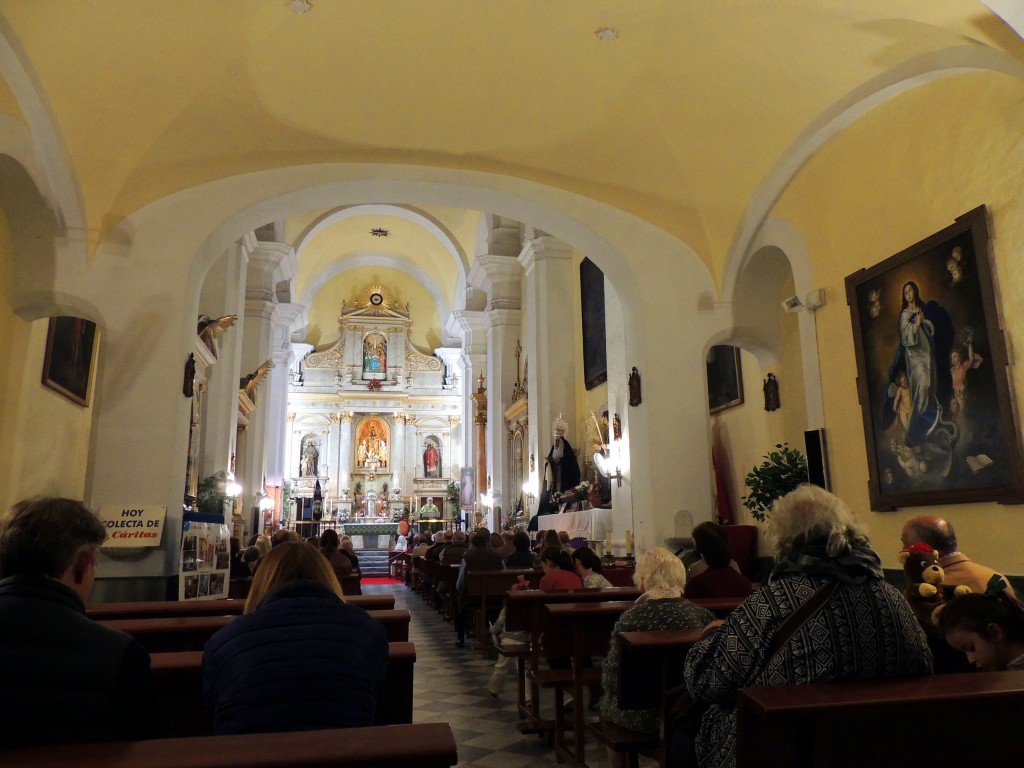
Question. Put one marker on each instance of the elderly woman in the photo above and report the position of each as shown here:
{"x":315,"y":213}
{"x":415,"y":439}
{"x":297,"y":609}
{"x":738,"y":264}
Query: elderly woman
{"x":299,"y":658}
{"x":662,"y":577}
{"x":862,"y":629}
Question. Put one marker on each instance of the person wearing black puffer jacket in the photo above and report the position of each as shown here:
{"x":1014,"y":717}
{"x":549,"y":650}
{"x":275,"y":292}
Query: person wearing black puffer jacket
{"x":299,"y":658}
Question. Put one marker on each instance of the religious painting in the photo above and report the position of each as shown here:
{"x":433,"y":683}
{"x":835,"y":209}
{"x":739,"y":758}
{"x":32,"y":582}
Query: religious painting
{"x":595,"y":353}
{"x":431,"y":458}
{"x":931,"y":364}
{"x":375,"y":356}
{"x":467,"y":488}
{"x":373,"y":440}
{"x":68,"y":361}
{"x":725,"y":377}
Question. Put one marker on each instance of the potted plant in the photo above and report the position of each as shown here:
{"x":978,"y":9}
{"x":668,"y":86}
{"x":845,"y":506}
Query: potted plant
{"x":453,"y":492}
{"x":781,"y":471}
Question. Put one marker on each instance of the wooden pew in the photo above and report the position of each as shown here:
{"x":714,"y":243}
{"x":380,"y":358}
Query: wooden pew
{"x":425,"y":745}
{"x":579,"y":631}
{"x":178,"y":680}
{"x":190,"y":633}
{"x":956,"y":719}
{"x":163,"y":608}
{"x":486,"y":590}
{"x":524,"y":612}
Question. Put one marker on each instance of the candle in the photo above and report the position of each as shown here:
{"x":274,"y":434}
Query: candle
{"x":608,"y":541}
{"x":629,"y":543}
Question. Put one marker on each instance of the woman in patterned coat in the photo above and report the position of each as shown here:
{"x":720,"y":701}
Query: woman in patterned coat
{"x":662,"y":577}
{"x":865,"y":630}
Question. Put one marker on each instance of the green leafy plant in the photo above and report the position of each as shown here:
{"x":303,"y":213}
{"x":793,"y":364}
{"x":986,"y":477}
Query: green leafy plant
{"x":781,"y":471}
{"x":453,"y":491}
{"x":210,"y":496}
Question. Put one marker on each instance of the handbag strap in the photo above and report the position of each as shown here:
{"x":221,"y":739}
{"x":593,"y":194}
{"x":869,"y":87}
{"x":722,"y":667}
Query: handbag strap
{"x":797,"y":619}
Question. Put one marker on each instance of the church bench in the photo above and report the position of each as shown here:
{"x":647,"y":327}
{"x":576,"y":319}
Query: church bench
{"x":486,"y":590}
{"x":190,"y":633}
{"x":966,"y":718}
{"x":578,"y":631}
{"x":178,"y":681}
{"x":524,"y":612}
{"x":619,"y":577}
{"x":425,"y":745}
{"x":163,"y":608}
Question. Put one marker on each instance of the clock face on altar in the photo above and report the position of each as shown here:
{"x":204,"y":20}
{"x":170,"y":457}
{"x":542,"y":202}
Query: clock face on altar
{"x":376,"y":299}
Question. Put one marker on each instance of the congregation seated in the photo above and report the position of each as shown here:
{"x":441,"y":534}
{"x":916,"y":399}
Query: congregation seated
{"x":565,"y":542}
{"x":661,"y":576}
{"x":67,"y":678}
{"x":588,"y":568}
{"x":957,"y":567}
{"x":719,"y":578}
{"x":521,"y":556}
{"x":298,"y":658}
{"x":859,"y":626}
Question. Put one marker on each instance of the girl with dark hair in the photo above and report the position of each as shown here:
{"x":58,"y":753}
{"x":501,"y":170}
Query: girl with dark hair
{"x":559,"y":572}
{"x":719,"y":578}
{"x":987,"y":628}
{"x":588,"y":567}
{"x":329,"y":547}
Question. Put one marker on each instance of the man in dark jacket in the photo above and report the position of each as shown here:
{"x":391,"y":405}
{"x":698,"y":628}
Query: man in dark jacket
{"x":66,"y":678}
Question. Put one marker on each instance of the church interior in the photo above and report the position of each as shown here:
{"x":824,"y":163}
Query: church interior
{"x":375,"y":251}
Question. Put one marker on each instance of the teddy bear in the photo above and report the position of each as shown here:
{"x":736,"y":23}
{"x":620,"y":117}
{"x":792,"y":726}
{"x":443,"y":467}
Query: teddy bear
{"x":926,"y":592}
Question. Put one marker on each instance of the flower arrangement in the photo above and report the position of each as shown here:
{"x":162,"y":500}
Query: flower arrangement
{"x":579,"y":493}
{"x":374,"y":385}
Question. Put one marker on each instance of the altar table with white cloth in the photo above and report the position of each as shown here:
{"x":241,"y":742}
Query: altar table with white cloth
{"x":584,"y":523}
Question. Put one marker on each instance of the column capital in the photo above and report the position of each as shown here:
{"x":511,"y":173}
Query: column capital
{"x":501,"y":277}
{"x":454,"y":421}
{"x":498,"y":318}
{"x":346,"y":417}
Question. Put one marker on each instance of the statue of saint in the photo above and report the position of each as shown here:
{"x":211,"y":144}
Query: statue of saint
{"x":431,"y":461}
{"x":561,"y":469}
{"x":311,"y":458}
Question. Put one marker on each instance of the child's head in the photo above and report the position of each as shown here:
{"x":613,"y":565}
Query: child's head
{"x":955,"y":358}
{"x":901,"y":379}
{"x":988,"y":628}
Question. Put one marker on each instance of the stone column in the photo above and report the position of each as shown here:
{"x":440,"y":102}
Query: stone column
{"x":474,"y":362}
{"x":549,"y":340}
{"x":398,"y":451}
{"x":345,"y":451}
{"x":277,"y":397}
{"x":224,"y":294}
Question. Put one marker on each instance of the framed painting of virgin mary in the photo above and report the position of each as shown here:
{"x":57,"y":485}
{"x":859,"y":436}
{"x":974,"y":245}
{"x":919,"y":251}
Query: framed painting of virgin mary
{"x":932,"y":373}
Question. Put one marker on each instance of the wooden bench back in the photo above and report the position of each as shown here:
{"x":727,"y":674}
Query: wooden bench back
{"x":580,"y":629}
{"x":190,"y":633}
{"x":967,"y":719}
{"x":425,"y":745}
{"x":524,"y":608}
{"x":164,"y":608}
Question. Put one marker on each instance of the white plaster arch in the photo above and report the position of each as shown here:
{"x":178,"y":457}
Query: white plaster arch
{"x":840,"y":115}
{"x":58,"y":184}
{"x":394,"y":261}
{"x":405,"y":212}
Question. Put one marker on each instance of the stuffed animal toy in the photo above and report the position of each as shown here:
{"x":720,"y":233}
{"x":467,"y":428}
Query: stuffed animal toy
{"x":921,"y":564}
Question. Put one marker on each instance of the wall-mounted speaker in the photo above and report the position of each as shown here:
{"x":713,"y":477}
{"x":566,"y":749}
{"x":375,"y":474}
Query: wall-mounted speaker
{"x":817,"y":458}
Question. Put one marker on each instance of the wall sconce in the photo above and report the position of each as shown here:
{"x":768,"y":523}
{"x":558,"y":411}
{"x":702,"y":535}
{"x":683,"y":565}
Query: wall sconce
{"x":264,"y":502}
{"x":232,"y":488}
{"x":604,"y":466}
{"x":487,"y":500}
{"x":529,"y":493}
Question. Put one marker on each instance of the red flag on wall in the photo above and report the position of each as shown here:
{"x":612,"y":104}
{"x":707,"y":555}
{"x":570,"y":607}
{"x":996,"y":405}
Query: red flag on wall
{"x":722,"y":504}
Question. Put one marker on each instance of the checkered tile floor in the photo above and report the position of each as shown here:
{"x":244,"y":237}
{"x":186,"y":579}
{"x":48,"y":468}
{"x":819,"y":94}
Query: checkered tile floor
{"x":450,"y":686}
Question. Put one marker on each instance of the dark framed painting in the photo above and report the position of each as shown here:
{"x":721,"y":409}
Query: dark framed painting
{"x":932,"y":374}
{"x":67,"y":364}
{"x":725,"y":377}
{"x":595,"y":351}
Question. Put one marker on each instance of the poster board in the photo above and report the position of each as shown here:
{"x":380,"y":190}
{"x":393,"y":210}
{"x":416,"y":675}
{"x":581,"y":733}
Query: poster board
{"x":205,"y":570}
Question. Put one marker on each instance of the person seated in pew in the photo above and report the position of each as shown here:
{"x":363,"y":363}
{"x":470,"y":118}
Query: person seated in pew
{"x":521,"y":557}
{"x":480,"y":556}
{"x":718,"y":579}
{"x":662,"y":577}
{"x":864,"y":628}
{"x":298,"y":658}
{"x":559,"y":571}
{"x":988,"y":627}
{"x":588,"y":568}
{"x":347,"y":549}
{"x":239,"y":568}
{"x":67,"y":678}
{"x":693,"y":560}
{"x":330,"y":546}
{"x":957,"y":567}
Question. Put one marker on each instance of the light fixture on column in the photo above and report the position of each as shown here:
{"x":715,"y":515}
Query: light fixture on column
{"x":528,"y":492}
{"x":232,"y":488}
{"x":604,"y":466}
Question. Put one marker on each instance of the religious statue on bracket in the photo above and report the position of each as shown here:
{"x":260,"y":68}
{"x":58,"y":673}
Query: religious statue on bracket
{"x":431,"y":459}
{"x":561,"y":469}
{"x":375,"y":356}
{"x":309,"y":457}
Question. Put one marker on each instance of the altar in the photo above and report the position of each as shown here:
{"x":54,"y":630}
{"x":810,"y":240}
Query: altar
{"x":368,"y":535}
{"x":590,"y":524}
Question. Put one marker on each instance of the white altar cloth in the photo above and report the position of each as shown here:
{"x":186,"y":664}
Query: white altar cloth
{"x":585,"y":523}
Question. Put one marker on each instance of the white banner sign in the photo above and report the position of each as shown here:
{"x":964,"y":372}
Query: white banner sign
{"x":133,"y":526}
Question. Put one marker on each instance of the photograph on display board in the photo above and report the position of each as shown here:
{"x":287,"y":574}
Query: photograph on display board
{"x":205,"y":561}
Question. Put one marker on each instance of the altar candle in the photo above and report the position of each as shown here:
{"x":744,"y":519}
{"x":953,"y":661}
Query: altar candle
{"x":608,"y":541}
{"x":629,"y":543}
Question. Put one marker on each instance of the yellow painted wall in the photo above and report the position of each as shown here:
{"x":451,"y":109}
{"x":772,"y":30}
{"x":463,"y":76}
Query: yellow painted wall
{"x":45,"y":436}
{"x":897,"y":175}
{"x":8,"y":104}
{"x":323,"y":313}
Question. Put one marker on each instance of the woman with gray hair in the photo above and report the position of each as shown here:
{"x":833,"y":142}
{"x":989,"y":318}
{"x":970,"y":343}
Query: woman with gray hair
{"x":855,"y":625}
